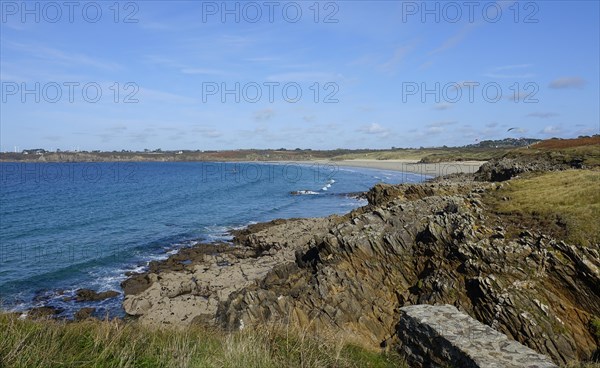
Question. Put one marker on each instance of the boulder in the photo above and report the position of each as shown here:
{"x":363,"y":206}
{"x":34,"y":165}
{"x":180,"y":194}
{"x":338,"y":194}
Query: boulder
{"x":88,"y":295}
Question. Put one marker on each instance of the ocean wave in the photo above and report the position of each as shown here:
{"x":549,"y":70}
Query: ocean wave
{"x":304,"y":192}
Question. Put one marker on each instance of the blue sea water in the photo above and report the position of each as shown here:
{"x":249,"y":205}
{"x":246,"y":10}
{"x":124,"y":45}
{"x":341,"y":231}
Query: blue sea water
{"x":65,"y":226}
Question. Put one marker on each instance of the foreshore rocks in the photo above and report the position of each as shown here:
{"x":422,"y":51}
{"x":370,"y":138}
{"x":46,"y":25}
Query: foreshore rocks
{"x":43,"y":312}
{"x":178,"y":293}
{"x":88,"y":295}
{"x":84,"y":313}
{"x":432,"y":243}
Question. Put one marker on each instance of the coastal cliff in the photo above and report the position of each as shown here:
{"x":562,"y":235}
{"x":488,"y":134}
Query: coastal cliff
{"x":432,"y":243}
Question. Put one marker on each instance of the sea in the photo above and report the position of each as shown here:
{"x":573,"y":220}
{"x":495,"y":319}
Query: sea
{"x":65,"y":226}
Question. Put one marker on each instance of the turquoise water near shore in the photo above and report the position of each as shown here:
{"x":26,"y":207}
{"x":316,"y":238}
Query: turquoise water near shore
{"x":65,"y":226}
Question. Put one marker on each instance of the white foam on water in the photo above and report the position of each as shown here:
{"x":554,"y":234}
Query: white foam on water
{"x":307,"y":192}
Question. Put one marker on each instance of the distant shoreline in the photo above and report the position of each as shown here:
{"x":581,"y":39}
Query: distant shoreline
{"x":413,"y":166}
{"x":406,"y":166}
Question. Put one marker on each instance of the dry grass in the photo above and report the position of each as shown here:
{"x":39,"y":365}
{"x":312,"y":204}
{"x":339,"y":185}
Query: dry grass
{"x":567,"y":143}
{"x":566,"y":203}
{"x":587,"y":150}
{"x":26,"y":343}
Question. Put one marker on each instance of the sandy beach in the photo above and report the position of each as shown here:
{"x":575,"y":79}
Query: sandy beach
{"x":412,"y":166}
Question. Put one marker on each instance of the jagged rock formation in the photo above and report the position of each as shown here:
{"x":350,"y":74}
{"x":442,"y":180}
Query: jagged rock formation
{"x":430,"y":243}
{"x":441,"y":336}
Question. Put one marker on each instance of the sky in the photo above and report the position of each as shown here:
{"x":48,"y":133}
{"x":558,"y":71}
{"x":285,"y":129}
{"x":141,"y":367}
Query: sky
{"x":220,"y":75}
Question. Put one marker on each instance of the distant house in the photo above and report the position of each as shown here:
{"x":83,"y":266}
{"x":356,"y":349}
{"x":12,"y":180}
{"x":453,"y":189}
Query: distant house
{"x":37,"y":151}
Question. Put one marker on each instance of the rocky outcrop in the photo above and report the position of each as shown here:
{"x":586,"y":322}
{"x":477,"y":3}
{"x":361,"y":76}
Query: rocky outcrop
{"x":84,"y":313}
{"x":44,"y":312}
{"x":441,"y":336}
{"x":189,"y":287}
{"x":510,"y":166}
{"x":431,"y":243}
{"x":88,"y":295}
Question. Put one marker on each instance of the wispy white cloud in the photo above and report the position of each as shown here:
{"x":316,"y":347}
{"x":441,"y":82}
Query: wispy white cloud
{"x":455,"y":39}
{"x":442,"y":106}
{"x":426,"y":65}
{"x":510,"y":72}
{"x":262,"y":59}
{"x":264,"y":114}
{"x":306,"y":76}
{"x":374,"y":129}
{"x":182,"y":67}
{"x":398,"y":57}
{"x":442,"y":123}
{"x":551,"y":130}
{"x":236,"y":40}
{"x":516,"y":130}
{"x":149,"y":95}
{"x":57,"y":56}
{"x":522,"y":96}
{"x":52,"y":138}
{"x":438,"y":127}
{"x":512,"y":67}
{"x":207,"y":132}
{"x":203,"y":71}
{"x":567,"y":82}
{"x":509,"y":76}
{"x":587,"y":131}
{"x":543,"y":115}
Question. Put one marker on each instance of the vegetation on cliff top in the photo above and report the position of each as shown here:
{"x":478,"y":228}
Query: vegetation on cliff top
{"x":565,"y":204}
{"x":93,"y":343}
{"x":585,"y":150}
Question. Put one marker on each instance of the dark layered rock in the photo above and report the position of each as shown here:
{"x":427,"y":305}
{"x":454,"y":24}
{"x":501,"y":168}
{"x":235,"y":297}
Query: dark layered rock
{"x":84,"y":313}
{"x":432,"y":243}
{"x":88,"y":295}
{"x":44,"y":312}
{"x":429,"y":250}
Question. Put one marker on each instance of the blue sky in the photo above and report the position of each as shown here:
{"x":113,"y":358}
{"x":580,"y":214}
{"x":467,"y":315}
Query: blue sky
{"x":347,"y":74}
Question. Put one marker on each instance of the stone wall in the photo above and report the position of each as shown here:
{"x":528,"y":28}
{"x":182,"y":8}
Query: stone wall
{"x":442,"y":336}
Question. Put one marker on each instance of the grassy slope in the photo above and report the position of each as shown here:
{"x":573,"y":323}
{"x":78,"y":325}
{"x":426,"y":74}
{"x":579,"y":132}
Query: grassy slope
{"x":117,"y":344}
{"x":564,"y":203}
{"x":563,"y":150}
